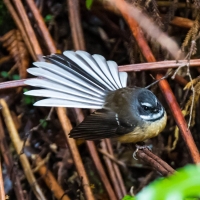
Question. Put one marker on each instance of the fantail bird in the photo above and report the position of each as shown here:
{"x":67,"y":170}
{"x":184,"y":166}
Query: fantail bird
{"x":80,"y":80}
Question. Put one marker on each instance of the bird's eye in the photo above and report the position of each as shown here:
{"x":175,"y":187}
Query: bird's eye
{"x":145,"y":107}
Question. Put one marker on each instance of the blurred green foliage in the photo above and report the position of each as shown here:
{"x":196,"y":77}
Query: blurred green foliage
{"x":48,"y":18}
{"x":88,"y":4}
{"x":28,"y":100}
{"x":43,"y":123}
{"x":184,"y":184}
{"x":4,"y":74}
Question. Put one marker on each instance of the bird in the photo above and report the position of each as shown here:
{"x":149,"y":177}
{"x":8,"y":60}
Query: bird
{"x":78,"y":79}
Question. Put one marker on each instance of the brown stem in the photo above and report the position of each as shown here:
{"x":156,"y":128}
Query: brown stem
{"x":116,"y":169}
{"x":66,"y":125}
{"x":40,"y":22}
{"x":182,"y":22}
{"x":2,"y":191}
{"x":75,"y":24}
{"x":93,"y":152}
{"x":21,"y":28}
{"x":9,"y":164}
{"x":28,"y":28}
{"x":50,"y":181}
{"x":179,"y":118}
{"x":152,"y":160}
{"x":111,"y":171}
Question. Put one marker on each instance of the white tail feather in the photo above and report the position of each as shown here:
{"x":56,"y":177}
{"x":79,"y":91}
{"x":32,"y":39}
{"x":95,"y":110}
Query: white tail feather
{"x":96,"y":68}
{"x":63,"y":73}
{"x":101,"y":61}
{"x":61,"y":88}
{"x":51,"y":102}
{"x":72,"y":55}
{"x":113,"y":67}
{"x":58,"y":79}
{"x":60,"y":95}
{"x":123,"y":78}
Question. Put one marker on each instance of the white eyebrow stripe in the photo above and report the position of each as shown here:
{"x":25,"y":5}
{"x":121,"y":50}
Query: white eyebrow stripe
{"x":154,"y":116}
{"x":146,"y":104}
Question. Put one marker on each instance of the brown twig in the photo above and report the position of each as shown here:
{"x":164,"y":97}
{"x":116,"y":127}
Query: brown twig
{"x":111,"y":157}
{"x":158,"y":65}
{"x":179,"y":118}
{"x":182,"y":22}
{"x":116,"y":169}
{"x":20,"y":27}
{"x":75,"y":24}
{"x":153,"y":161}
{"x":29,"y":30}
{"x":164,"y":86}
{"x":93,"y":152}
{"x":13,"y":84}
{"x":111,"y":171}
{"x":40,"y":22}
{"x":51,"y":182}
{"x":2,"y":191}
{"x":18,"y":144}
{"x":9,"y":164}
{"x":66,"y":125}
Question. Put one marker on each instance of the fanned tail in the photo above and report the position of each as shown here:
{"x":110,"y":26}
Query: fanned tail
{"x":75,"y":79}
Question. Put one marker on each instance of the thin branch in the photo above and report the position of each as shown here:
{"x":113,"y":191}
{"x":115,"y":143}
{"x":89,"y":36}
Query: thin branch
{"x":66,"y":125}
{"x":10,"y":164}
{"x":154,"y":161}
{"x":50,"y":181}
{"x":28,"y":28}
{"x":40,"y":22}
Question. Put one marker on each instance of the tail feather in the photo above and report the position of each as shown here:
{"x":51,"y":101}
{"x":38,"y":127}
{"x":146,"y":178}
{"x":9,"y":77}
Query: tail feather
{"x":98,"y":69}
{"x":60,"y":88}
{"x":101,"y":61}
{"x":123,"y":78}
{"x":72,"y":67}
{"x":75,"y":79}
{"x":61,"y":80}
{"x":70,"y":76}
{"x":61,"y":95}
{"x":84,"y":65}
{"x":114,"y":70}
{"x":54,"y":102}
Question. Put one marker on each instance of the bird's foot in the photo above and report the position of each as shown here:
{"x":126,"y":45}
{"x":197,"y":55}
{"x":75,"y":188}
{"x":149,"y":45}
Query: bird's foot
{"x":139,"y":147}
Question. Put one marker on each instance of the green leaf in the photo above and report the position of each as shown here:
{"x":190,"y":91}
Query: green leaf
{"x":28,"y":100}
{"x":48,"y":18}
{"x":4,"y":74}
{"x":181,"y":185}
{"x":15,"y":77}
{"x":88,"y":4}
{"x":25,"y":89}
{"x":43,"y":123}
{"x":128,"y":197}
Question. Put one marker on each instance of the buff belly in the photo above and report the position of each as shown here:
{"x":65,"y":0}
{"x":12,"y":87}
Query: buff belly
{"x":149,"y":130}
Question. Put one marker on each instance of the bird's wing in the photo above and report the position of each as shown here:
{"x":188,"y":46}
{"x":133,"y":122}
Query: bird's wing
{"x":99,"y":125}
